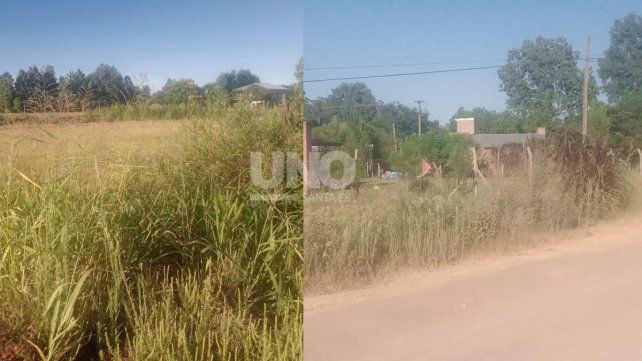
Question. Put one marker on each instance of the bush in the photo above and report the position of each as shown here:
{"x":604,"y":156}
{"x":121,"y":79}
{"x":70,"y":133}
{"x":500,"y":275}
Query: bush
{"x":591,"y":170}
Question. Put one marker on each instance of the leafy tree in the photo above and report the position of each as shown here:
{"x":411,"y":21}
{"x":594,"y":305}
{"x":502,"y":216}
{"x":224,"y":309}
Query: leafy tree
{"x":599,"y":121}
{"x":626,"y":121}
{"x":108,"y":85}
{"x":129,"y":89}
{"x":357,"y":135}
{"x":48,"y":78}
{"x":36,"y":89}
{"x":26,"y":82}
{"x":405,"y":118}
{"x":76,"y":82}
{"x":232,"y":79}
{"x":449,"y":150}
{"x":355,"y":98}
{"x":490,"y":121}
{"x":6,"y":92}
{"x":459,"y":163}
{"x":543,"y":82}
{"x":347,"y":101}
{"x":621,"y":67}
{"x":245,"y":77}
{"x":178,"y":91}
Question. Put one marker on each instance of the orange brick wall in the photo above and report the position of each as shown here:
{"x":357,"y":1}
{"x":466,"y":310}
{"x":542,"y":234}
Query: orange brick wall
{"x":465,"y":125}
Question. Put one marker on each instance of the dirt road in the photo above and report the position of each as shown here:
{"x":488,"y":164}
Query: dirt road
{"x":581,"y":300}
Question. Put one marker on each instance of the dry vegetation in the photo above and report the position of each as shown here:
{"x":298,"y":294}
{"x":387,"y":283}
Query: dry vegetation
{"x":390,"y":227}
{"x":137,"y":240}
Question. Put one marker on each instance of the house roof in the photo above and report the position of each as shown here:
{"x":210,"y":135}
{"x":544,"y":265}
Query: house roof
{"x":498,"y":140}
{"x":266,"y":86}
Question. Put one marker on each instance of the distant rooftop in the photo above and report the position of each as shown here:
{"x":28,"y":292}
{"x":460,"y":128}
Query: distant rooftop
{"x":498,"y":140}
{"x":265,"y":86}
{"x":467,"y":126}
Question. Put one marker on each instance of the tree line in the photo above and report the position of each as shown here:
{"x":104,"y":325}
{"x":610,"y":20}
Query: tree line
{"x":39,"y":90}
{"x":543,"y":84}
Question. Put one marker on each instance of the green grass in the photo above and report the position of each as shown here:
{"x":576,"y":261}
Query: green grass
{"x":159,"y":255}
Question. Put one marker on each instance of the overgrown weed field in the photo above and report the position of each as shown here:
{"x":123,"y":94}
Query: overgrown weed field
{"x":390,"y":226}
{"x":138,"y":240}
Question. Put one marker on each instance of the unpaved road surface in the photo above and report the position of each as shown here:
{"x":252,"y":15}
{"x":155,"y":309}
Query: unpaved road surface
{"x":578,"y":300}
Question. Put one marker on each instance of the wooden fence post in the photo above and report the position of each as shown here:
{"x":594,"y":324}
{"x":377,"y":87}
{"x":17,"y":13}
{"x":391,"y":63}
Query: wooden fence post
{"x":530,"y":164}
{"x":307,"y":148}
{"x":474,"y":153}
{"x":640,"y":157}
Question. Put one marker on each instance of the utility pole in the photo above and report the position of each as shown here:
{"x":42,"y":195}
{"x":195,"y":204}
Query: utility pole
{"x":419,"y":114}
{"x":394,"y":136}
{"x":587,"y":64}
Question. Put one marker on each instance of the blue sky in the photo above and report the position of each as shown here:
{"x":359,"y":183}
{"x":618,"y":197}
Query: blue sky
{"x":346,"y":33}
{"x":167,"y":38}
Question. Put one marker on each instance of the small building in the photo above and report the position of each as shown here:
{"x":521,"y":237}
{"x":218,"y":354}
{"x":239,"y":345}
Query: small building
{"x":263,"y":92}
{"x":498,"y":150}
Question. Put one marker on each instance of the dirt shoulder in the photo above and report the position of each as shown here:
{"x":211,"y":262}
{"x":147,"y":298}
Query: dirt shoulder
{"x":576,"y":299}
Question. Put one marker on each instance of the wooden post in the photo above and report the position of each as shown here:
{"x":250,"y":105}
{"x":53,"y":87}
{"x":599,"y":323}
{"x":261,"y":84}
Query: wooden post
{"x":640,"y":156}
{"x":587,"y":65}
{"x":530,"y":164}
{"x":356,"y":151}
{"x":474,"y":152}
{"x":394,"y":136}
{"x":307,"y":147}
{"x":499,"y":160}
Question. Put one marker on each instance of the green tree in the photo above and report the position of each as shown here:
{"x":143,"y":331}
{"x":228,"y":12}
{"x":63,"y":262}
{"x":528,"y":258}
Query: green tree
{"x":6,"y":92}
{"x":543,"y":82}
{"x":76,"y":82}
{"x":108,"y":85}
{"x":36,"y":89}
{"x":490,"y":121}
{"x":178,"y":91}
{"x":599,"y":121}
{"x":459,"y":163}
{"x":452,"y":151}
{"x":26,"y":82}
{"x":355,"y":98}
{"x":353,"y":101}
{"x":232,"y":79}
{"x":621,"y":67}
{"x":405,"y":118}
{"x":626,"y":121}
{"x":245,"y":77}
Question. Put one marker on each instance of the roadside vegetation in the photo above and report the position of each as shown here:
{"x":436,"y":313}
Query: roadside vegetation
{"x":575,"y":180}
{"x":146,"y":245}
{"x":391,"y":226}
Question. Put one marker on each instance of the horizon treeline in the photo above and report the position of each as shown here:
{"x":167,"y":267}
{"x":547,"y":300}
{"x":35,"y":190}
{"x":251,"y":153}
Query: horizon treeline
{"x":543,"y":83}
{"x":39,"y":89}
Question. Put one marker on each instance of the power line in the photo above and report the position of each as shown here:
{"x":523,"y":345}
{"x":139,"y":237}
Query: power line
{"x":403,"y":74}
{"x":400,"y":65}
{"x":413,"y":64}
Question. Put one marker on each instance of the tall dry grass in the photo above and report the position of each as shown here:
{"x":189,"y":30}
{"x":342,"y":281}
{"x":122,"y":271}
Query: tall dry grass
{"x":390,"y":227}
{"x":158,"y":255}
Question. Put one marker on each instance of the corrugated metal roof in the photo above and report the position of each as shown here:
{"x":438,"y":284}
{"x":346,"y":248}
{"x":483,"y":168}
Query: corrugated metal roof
{"x":264,"y":86}
{"x":497,"y":140}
